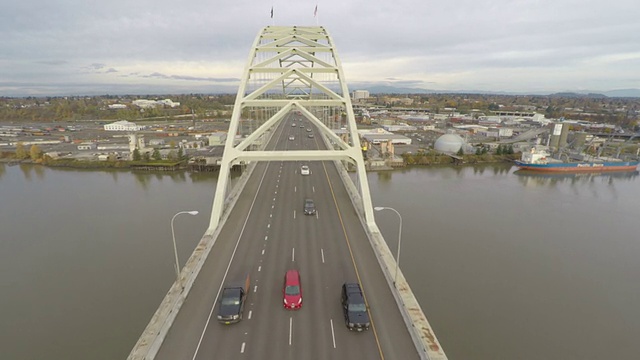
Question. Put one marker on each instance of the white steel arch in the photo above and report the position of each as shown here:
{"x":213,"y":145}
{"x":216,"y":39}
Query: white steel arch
{"x":292,"y":69}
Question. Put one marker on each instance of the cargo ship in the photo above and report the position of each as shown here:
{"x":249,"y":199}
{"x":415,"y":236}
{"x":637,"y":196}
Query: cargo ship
{"x":538,"y":159}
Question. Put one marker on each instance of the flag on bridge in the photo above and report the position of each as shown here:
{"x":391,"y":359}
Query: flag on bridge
{"x":272,"y":12}
{"x":315,"y":12}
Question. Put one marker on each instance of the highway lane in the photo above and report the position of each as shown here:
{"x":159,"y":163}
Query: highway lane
{"x":274,"y":237}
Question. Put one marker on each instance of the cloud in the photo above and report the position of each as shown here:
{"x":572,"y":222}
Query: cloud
{"x":502,"y":45}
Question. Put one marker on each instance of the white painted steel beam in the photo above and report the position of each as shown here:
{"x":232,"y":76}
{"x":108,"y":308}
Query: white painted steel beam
{"x":291,"y":69}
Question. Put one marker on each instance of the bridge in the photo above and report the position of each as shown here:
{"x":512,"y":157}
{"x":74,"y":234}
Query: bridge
{"x":292,"y":97}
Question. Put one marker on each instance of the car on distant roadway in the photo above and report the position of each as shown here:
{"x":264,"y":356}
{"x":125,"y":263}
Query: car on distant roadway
{"x":356,"y":316}
{"x":309,"y":207}
{"x":293,"y":124}
{"x":308,"y":129}
{"x":304,"y":170}
{"x":310,"y":136}
{"x":291,"y":137}
{"x":292,"y":290}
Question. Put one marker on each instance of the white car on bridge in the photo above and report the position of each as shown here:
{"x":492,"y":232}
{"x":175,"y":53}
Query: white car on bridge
{"x":304,"y":170}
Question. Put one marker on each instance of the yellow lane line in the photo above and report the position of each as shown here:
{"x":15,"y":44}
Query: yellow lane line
{"x":346,"y":237}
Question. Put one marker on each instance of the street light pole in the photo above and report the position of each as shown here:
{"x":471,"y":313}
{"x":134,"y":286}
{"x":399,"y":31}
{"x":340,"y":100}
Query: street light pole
{"x":379,"y":208}
{"x":173,"y":235}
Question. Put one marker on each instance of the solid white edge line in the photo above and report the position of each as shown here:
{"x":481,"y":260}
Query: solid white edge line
{"x":333,"y":334}
{"x":226,"y":272}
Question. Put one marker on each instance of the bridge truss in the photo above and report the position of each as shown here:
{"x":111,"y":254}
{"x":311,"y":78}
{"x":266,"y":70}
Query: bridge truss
{"x":292,"y":69}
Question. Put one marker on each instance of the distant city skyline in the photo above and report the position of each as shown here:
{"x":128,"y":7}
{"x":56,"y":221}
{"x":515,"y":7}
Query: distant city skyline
{"x":505,"y":46}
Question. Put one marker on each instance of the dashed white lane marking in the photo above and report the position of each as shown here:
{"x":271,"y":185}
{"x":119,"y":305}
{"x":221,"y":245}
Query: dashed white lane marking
{"x":321,"y":253}
{"x":260,"y":267}
{"x":268,"y":226}
{"x":333,"y":334}
{"x":290,"y":329}
{"x":293,"y":254}
{"x":250,"y":312}
{"x":262,"y":251}
{"x":242,"y":348}
{"x":255,"y":289}
{"x":265,"y":238}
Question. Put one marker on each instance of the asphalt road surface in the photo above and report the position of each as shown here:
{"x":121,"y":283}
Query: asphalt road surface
{"x":267,"y":234}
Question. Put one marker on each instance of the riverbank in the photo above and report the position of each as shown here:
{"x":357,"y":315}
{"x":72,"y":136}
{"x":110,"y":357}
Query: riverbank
{"x":168,"y":165}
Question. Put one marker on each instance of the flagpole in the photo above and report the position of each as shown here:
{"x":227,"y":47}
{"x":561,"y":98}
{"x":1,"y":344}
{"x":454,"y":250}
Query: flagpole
{"x":315,"y":14}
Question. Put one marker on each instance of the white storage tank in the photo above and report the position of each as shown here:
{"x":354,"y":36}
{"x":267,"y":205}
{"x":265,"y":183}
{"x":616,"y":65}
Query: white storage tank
{"x":449,"y":143}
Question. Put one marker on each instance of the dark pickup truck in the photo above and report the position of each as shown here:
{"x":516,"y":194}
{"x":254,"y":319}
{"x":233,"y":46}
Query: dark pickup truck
{"x":356,"y":316}
{"x":232,"y":303}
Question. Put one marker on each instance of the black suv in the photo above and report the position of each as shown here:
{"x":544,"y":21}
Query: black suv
{"x":356,"y":316}
{"x":309,"y":207}
{"x":231,"y":305}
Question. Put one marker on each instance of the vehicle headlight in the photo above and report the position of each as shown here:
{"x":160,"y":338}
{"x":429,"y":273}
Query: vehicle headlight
{"x":284,"y":301}
{"x":366,"y":325}
{"x":300,"y":301}
{"x":234,"y":317}
{"x":351,"y":324}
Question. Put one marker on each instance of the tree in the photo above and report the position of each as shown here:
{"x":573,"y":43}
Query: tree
{"x":181,"y":155}
{"x":156,"y":155}
{"x":136,"y":155}
{"x":21,"y":152}
{"x":35,"y":152}
{"x":499,"y":150}
{"x":146,"y":156}
{"x":172,"y":155}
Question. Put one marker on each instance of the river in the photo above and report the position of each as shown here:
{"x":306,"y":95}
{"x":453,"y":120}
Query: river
{"x":504,"y":265}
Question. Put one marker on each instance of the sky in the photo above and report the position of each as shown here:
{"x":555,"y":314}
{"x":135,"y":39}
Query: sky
{"x":88,"y":47}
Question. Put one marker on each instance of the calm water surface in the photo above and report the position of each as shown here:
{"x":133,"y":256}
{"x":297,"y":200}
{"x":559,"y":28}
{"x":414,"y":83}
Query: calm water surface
{"x":506,"y":266}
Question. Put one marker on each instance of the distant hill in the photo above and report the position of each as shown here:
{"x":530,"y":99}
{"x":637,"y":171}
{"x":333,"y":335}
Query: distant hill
{"x":389,"y":89}
{"x":578,"y":95}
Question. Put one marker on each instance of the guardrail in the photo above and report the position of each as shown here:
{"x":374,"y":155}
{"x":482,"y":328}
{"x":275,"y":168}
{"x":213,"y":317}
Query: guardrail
{"x":152,"y":337}
{"x":421,"y":332}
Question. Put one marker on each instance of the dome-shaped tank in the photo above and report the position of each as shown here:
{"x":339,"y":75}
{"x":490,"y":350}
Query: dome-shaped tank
{"x":449,"y":143}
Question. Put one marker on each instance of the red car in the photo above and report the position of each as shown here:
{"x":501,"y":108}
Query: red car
{"x":292,"y":290}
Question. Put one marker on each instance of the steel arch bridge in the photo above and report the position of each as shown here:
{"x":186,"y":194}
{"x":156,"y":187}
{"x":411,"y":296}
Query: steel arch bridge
{"x":292,"y":69}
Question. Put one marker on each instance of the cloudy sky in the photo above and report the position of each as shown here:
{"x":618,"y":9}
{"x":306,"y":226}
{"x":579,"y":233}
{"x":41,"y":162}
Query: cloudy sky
{"x":87,"y":47}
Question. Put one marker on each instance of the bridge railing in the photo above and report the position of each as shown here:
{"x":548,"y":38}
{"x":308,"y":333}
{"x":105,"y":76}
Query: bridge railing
{"x":421,"y":332}
{"x":154,"y":334}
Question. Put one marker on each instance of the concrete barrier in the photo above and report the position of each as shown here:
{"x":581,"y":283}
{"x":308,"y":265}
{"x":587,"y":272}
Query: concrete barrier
{"x":152,"y":337}
{"x":421,"y":332}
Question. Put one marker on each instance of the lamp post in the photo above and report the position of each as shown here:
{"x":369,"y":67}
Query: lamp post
{"x":379,"y":208}
{"x":173,"y":235}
